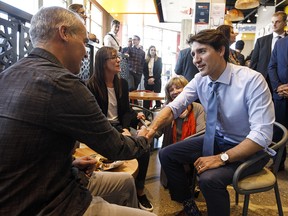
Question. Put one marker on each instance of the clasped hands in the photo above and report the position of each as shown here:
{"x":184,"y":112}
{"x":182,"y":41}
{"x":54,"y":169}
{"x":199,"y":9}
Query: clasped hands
{"x":151,"y":81}
{"x":282,"y":90}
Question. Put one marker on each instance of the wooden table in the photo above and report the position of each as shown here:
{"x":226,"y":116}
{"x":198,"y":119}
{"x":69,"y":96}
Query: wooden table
{"x":134,"y":95}
{"x":129,"y":166}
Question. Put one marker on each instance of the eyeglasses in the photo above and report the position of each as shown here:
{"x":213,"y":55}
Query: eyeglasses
{"x":114,"y":57}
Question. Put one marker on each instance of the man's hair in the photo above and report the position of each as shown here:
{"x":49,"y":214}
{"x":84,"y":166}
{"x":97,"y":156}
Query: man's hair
{"x":75,"y":7}
{"x":136,"y":36}
{"x":45,"y":22}
{"x":239,"y":45}
{"x":225,"y":29}
{"x":282,"y":14}
{"x":213,"y":38}
{"x":115,"y":22}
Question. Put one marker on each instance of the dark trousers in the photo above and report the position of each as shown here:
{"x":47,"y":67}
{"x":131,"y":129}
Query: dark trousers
{"x":212,"y":182}
{"x":134,"y":80}
{"x":156,"y":88}
{"x":281,"y":116}
{"x":143,"y":162}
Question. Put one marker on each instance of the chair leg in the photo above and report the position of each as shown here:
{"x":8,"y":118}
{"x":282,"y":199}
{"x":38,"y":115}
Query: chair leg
{"x":245,"y":206}
{"x":278,"y":199}
{"x":236,"y":198}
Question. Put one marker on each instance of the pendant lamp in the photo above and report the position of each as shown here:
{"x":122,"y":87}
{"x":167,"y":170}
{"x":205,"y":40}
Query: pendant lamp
{"x":236,"y":15}
{"x":246,"y":4}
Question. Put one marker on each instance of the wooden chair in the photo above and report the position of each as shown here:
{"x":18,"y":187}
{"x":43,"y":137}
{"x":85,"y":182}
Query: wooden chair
{"x":264,"y":180}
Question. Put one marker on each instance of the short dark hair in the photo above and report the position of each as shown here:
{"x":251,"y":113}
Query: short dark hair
{"x":282,"y":14}
{"x":213,"y":38}
{"x":239,"y":45}
{"x":136,"y":37}
{"x":225,"y":29}
{"x":75,"y":7}
{"x":115,"y":22}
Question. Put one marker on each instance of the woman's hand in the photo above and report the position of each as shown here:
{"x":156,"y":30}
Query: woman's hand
{"x":151,"y":81}
{"x":141,"y":115}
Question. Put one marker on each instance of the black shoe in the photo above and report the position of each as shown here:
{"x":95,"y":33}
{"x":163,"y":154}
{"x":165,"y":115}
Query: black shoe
{"x":191,"y":208}
{"x":144,"y":203}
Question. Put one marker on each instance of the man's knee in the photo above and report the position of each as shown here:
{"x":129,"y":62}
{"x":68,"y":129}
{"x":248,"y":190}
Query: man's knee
{"x":207,"y":182}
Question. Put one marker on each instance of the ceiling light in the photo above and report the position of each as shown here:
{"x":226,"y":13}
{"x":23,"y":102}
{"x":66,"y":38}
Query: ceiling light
{"x":246,"y":4}
{"x":248,"y":20}
{"x":235,"y":15}
{"x":264,"y":8}
{"x":256,"y":15}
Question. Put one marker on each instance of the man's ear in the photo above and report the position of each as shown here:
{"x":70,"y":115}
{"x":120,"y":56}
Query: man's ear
{"x":63,"y":32}
{"x":222,"y":50}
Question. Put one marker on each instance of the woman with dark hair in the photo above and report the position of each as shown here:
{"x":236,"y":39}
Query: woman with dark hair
{"x":229,"y":33}
{"x":152,"y":74}
{"x":112,"y":95}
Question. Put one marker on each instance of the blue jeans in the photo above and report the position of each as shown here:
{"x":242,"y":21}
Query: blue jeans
{"x":212,"y":182}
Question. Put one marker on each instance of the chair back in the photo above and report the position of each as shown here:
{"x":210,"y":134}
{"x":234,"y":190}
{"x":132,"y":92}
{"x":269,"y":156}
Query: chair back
{"x":279,"y":146}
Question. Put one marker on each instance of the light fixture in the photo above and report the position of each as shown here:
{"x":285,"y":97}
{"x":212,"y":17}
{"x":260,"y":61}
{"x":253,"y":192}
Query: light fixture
{"x":235,"y":15}
{"x":256,"y":15}
{"x":264,"y":8}
{"x":227,"y":20}
{"x":248,"y":20}
{"x":246,"y":4}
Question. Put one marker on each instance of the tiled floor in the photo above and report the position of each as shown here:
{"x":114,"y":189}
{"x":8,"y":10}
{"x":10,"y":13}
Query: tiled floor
{"x":261,"y":204}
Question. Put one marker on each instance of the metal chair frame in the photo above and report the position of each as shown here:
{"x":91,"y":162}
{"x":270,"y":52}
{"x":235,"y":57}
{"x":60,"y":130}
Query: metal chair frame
{"x":279,"y":146}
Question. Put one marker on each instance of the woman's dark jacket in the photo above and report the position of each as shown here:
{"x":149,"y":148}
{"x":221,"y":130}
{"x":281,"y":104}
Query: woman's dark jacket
{"x":157,"y":71}
{"x":126,"y":115}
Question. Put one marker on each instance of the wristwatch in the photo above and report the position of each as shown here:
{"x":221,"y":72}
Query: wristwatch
{"x":224,"y":157}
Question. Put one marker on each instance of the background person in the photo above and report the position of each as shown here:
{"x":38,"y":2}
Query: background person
{"x":79,"y":9}
{"x":184,"y":65}
{"x":112,"y":95}
{"x":124,"y":61}
{"x":239,"y":46}
{"x":136,"y":63}
{"x":278,"y":75}
{"x":237,"y":136}
{"x":229,"y":33}
{"x":152,"y":74}
{"x":111,"y":38}
{"x":49,"y":109}
{"x":264,"y":45}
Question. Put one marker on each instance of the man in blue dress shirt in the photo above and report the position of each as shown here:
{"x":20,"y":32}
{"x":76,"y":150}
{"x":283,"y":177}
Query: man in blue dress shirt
{"x":244,"y":125}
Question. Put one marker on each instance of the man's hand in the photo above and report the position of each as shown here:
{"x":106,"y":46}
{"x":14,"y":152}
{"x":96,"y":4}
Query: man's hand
{"x":126,"y":132}
{"x":142,"y":132}
{"x":86,"y":164}
{"x":205,"y":163}
{"x":282,"y":90}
